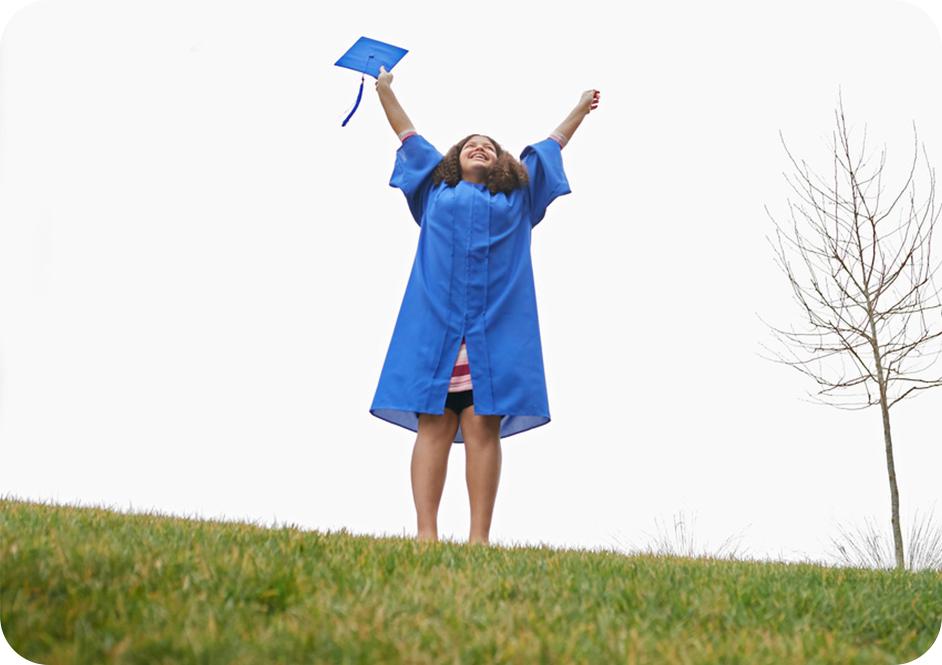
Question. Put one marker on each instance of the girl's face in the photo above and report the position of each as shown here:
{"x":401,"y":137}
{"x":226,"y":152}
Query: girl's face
{"x":477,"y":155}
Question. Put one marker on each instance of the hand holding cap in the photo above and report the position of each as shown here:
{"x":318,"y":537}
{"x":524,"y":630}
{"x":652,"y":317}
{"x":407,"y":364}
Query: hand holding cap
{"x":384,"y":76}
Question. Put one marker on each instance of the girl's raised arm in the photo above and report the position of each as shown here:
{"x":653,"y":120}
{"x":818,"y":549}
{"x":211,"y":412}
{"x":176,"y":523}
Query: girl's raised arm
{"x":398,"y":119}
{"x":588,"y":102}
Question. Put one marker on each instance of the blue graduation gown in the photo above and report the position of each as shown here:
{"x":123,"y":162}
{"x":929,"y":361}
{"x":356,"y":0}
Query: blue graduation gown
{"x":472,"y":277}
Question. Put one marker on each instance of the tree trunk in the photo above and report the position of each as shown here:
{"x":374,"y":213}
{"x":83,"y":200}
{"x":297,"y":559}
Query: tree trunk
{"x":891,"y":471}
{"x":887,"y":439}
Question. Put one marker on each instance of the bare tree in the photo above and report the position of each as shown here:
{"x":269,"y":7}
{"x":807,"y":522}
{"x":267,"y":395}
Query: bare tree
{"x":864,"y":279}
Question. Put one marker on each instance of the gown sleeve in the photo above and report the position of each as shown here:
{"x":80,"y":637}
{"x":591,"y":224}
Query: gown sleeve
{"x":544,"y":164}
{"x":416,"y":158}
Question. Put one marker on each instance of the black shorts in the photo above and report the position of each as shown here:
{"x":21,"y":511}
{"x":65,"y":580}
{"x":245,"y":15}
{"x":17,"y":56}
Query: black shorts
{"x":459,"y":401}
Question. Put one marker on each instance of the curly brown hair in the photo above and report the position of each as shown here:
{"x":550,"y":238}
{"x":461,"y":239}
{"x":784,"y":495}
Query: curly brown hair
{"x":506,"y":175}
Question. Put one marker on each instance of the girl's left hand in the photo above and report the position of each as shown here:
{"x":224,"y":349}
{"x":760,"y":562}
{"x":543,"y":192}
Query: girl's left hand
{"x":589,"y":101}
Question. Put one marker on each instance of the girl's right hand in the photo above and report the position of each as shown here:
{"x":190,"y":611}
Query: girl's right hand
{"x":589,"y":101}
{"x":384,"y":77}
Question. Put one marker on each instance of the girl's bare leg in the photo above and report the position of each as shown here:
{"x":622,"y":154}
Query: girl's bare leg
{"x":483,"y":455}
{"x":429,"y":466}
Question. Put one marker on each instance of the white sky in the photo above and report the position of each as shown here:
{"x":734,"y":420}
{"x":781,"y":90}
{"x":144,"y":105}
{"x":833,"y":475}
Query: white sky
{"x":200,"y":270}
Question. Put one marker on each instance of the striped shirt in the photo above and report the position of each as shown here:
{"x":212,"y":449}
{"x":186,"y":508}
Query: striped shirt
{"x":461,"y":374}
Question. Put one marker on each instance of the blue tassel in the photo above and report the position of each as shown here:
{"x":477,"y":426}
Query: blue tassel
{"x":359,"y":96}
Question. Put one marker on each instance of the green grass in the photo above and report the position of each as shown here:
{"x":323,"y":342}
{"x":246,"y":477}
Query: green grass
{"x":90,"y":585}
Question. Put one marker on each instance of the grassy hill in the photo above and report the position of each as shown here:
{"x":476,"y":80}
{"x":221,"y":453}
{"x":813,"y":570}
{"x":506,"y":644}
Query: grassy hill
{"x":90,"y":585}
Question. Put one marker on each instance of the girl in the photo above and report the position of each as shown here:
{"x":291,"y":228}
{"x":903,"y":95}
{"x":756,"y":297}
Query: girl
{"x":465,"y":363}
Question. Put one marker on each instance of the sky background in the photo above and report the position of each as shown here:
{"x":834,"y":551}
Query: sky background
{"x":200,"y":270}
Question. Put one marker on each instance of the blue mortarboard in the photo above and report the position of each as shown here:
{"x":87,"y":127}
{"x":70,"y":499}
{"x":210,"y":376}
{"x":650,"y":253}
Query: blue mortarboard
{"x":366,"y":56}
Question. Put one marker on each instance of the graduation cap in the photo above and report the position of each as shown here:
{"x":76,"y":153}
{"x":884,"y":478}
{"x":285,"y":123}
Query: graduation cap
{"x":366,"y":55}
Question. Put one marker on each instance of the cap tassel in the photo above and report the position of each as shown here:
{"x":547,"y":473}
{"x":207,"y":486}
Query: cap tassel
{"x":359,"y":96}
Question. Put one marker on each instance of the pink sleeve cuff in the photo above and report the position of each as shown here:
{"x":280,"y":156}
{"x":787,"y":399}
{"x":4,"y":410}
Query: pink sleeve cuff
{"x":559,"y":139}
